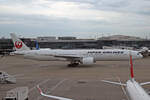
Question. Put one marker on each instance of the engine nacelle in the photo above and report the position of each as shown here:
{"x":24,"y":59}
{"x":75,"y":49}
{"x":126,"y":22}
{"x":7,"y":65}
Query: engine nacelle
{"x":88,"y":60}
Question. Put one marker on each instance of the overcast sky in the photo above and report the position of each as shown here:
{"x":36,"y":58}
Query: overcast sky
{"x":81,"y":18}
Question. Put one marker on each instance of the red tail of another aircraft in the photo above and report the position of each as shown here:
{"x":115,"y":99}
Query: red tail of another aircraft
{"x":131,"y":67}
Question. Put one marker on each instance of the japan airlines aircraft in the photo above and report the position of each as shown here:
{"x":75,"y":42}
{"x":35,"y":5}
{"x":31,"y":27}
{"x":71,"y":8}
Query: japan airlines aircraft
{"x":51,"y":96}
{"x":76,"y":57}
{"x":134,"y":90}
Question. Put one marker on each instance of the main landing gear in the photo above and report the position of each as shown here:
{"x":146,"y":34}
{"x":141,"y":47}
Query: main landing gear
{"x":75,"y":64}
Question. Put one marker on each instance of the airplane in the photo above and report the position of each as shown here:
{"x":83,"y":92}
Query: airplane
{"x":51,"y":96}
{"x":75,"y":56}
{"x":134,"y":91}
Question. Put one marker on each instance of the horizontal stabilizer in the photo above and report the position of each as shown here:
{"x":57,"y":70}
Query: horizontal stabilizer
{"x":51,"y":96}
{"x":116,"y":83}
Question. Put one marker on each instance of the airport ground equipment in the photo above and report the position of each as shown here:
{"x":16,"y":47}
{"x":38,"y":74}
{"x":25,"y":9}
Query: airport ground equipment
{"x":6,"y":78}
{"x":19,"y":93}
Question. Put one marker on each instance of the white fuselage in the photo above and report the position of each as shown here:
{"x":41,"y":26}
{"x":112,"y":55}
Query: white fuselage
{"x":97,"y":54}
{"x":135,"y":91}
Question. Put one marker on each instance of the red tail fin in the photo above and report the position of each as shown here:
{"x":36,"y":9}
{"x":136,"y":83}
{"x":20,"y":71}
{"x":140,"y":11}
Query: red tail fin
{"x":131,"y":67}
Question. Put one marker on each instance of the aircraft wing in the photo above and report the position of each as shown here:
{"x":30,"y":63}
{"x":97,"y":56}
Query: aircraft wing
{"x":67,"y":56}
{"x":51,"y":96}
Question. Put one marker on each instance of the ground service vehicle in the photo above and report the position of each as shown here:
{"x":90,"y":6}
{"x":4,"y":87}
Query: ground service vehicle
{"x":20,"y":93}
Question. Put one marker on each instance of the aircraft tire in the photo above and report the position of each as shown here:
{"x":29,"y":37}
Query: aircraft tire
{"x":73,"y":65}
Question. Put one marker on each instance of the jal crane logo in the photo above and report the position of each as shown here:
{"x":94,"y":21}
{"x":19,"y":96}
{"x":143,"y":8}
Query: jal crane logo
{"x":18,"y":44}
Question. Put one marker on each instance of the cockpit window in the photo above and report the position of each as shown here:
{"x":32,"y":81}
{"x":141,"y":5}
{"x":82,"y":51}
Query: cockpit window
{"x":138,"y":53}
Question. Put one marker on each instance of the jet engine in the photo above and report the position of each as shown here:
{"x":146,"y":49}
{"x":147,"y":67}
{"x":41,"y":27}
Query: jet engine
{"x":87,"y":60}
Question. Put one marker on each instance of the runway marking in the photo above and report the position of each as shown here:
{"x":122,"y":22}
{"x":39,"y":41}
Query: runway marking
{"x":53,"y":88}
{"x":39,"y":84}
{"x":2,"y":62}
{"x":59,"y":83}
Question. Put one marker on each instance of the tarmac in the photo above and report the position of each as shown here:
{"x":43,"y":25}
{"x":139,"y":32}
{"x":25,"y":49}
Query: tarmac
{"x":78,"y":83}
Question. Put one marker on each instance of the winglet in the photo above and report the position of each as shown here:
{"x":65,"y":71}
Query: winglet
{"x":131,"y":67}
{"x":37,"y":45}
